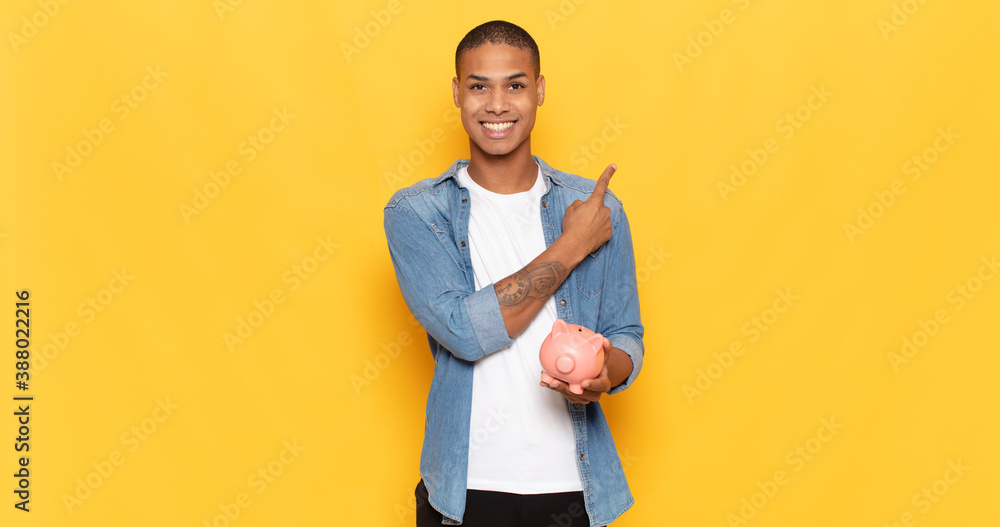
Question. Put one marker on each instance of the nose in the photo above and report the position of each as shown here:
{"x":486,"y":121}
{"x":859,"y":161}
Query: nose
{"x":497,"y":102}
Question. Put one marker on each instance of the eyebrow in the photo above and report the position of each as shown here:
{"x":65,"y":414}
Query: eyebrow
{"x":510,"y":77}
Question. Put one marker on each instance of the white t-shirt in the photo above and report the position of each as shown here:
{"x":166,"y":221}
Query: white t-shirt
{"x":520,"y":437}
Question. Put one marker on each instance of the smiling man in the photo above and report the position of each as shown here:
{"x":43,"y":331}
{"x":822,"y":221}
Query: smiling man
{"x":488,"y":255}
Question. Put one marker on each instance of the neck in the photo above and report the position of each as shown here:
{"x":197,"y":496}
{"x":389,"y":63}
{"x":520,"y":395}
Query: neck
{"x":504,"y":174}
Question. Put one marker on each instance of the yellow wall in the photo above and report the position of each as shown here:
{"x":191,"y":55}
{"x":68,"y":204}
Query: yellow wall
{"x":209,"y":281}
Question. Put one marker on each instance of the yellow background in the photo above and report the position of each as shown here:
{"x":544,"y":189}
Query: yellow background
{"x":336,"y":369}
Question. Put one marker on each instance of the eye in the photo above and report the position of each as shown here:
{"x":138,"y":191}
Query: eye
{"x":516,"y":86}
{"x":475,"y":87}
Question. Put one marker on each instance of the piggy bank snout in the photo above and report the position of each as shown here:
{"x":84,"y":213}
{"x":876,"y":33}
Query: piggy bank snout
{"x":565,"y":363}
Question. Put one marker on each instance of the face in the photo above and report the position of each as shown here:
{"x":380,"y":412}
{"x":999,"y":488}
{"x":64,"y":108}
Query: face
{"x":498,"y":95}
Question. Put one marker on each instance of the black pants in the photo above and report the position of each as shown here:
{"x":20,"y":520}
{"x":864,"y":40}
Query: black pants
{"x":501,"y":509}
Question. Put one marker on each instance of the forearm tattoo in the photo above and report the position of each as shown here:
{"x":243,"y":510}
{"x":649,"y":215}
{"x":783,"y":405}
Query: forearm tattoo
{"x":534,"y":282}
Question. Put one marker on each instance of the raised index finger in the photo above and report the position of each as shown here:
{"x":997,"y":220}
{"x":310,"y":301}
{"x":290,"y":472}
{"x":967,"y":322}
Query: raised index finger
{"x":602,"y":183}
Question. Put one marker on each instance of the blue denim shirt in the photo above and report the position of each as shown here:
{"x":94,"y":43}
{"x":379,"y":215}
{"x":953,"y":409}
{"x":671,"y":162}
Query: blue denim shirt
{"x":426,"y":227}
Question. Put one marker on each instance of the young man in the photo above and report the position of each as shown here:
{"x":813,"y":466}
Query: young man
{"x":488,"y":255}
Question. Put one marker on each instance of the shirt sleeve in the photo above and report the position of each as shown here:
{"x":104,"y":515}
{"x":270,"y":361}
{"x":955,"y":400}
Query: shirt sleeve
{"x":619,"y":318}
{"x":436,"y":287}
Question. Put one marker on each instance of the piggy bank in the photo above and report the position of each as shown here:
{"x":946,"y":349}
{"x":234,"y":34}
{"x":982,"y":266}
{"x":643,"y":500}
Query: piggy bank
{"x":573,"y":354}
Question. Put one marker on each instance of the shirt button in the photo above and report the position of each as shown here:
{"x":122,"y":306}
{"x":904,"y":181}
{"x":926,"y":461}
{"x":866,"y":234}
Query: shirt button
{"x":545,"y":204}
{"x":562,"y":302}
{"x":464,"y":200}
{"x":581,"y":457}
{"x":462,"y":244}
{"x":576,"y":405}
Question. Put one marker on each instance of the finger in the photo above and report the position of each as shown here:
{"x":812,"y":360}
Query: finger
{"x":599,"y":385}
{"x":586,"y":397}
{"x":549,"y":386}
{"x":603,"y":182}
{"x":582,"y":398}
{"x":570,"y":396}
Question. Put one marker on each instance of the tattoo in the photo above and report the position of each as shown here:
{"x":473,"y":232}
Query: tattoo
{"x":534,"y":282}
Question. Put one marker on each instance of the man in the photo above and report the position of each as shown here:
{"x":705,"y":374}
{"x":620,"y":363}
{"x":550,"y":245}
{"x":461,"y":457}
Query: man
{"x":488,"y":255}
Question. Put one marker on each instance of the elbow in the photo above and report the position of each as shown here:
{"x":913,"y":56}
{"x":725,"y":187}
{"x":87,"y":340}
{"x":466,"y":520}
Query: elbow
{"x":462,"y":346}
{"x":633,"y":347}
{"x":471,"y":343}
{"x":457,"y":336}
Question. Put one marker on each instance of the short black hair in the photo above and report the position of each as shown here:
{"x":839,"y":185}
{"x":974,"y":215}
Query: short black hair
{"x":499,"y":32}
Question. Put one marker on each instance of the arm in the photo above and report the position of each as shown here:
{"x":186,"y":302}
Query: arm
{"x":438,"y":290}
{"x":617,"y":368}
{"x":472,"y":324}
{"x":586,"y":226}
{"x":618,"y":320}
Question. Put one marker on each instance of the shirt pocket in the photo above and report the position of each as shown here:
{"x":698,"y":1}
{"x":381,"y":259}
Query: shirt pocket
{"x":590,"y":273}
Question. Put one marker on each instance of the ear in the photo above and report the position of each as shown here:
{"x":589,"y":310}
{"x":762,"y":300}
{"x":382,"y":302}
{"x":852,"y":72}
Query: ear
{"x":454,"y":91}
{"x":540,"y":83}
{"x":596,"y":341}
{"x":559,"y":327}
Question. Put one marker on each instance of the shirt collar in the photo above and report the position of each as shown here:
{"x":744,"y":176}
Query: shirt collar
{"x":551,"y":175}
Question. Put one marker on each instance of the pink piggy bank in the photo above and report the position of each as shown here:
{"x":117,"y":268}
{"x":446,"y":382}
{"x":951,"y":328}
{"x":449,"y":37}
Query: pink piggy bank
{"x":573,"y":354}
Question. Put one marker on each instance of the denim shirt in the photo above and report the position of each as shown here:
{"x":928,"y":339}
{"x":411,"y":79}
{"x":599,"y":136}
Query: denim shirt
{"x":426,"y":227}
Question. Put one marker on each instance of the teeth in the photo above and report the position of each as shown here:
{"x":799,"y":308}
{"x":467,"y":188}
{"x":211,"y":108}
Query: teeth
{"x":498,"y":127}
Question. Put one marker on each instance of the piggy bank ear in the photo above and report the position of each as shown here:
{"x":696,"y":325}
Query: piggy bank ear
{"x":596,"y":341}
{"x":559,"y":327}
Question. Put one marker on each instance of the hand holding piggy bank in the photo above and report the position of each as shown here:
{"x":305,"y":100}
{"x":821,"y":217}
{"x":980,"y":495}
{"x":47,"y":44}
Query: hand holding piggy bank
{"x":573,"y":354}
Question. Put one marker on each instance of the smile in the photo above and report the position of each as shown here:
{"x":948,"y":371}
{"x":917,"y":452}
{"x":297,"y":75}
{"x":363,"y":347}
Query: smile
{"x":498,"y":127}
